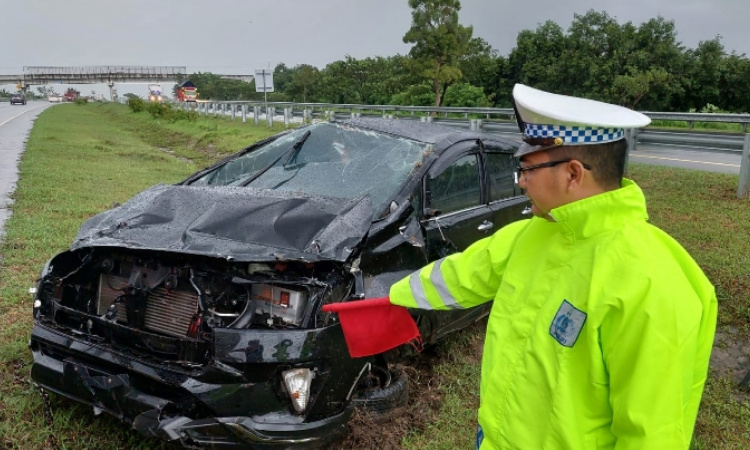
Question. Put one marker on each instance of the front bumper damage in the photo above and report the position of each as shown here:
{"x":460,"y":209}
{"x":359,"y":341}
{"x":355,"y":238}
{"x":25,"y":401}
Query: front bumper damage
{"x":213,"y":406}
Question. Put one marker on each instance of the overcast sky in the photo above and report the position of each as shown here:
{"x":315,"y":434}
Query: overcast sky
{"x":239,"y":36}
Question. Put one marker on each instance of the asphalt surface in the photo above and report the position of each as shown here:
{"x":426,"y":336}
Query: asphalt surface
{"x":15,"y":124}
{"x":688,"y":158}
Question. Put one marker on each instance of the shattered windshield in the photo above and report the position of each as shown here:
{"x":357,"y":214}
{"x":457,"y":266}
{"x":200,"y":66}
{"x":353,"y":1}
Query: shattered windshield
{"x":326,"y":159}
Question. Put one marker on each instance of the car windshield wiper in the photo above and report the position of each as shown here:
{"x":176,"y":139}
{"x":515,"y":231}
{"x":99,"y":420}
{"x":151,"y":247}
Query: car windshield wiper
{"x":295,"y":148}
{"x":297,"y":145}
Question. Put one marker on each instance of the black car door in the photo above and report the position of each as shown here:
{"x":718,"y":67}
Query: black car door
{"x":455,"y":211}
{"x":455,"y":215}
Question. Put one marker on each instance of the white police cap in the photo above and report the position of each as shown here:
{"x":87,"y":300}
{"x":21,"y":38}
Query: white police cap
{"x":549,"y":120}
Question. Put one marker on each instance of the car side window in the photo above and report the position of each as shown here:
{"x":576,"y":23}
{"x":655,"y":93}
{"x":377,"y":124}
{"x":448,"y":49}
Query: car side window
{"x":500,"y":169}
{"x":457,"y":187}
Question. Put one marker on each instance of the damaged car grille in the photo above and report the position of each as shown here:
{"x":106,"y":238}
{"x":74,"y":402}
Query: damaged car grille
{"x":167,"y":312}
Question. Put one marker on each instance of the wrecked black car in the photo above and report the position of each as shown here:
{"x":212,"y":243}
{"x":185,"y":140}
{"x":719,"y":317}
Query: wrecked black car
{"x":193,"y":311}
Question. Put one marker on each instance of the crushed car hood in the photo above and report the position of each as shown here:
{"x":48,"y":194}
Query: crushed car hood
{"x":235,"y":223}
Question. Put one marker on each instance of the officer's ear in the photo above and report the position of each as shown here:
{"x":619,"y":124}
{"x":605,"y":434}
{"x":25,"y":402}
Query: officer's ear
{"x":575,"y":174}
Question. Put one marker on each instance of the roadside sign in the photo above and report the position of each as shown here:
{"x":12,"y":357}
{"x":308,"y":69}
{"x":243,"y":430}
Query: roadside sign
{"x":263,"y":80}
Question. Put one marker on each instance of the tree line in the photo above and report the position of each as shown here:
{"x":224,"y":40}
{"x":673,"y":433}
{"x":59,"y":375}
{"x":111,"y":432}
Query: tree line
{"x":643,"y":67}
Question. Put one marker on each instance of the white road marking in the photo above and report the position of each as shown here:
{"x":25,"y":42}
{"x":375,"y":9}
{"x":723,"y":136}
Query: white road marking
{"x":685,"y":160}
{"x":20,"y":114}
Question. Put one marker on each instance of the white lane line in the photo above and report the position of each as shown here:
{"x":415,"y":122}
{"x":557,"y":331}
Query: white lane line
{"x":20,"y":114}
{"x":685,"y":160}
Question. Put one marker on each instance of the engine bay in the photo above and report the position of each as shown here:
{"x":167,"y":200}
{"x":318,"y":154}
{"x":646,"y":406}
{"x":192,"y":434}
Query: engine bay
{"x":96,"y":291}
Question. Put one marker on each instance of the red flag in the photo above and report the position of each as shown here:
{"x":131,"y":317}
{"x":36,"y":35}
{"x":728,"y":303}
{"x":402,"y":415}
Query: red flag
{"x":374,"y":325}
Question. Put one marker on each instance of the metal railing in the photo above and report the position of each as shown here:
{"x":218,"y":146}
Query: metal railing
{"x":488,"y":113}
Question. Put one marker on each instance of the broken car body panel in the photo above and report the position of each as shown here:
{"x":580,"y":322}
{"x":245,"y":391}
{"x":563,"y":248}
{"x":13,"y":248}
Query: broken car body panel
{"x":238,"y":223}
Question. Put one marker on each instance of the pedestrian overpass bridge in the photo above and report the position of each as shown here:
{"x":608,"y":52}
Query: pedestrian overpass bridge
{"x":41,"y":75}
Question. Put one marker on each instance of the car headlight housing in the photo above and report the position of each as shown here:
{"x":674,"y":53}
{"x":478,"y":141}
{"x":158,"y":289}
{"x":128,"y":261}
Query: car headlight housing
{"x":297,"y":383}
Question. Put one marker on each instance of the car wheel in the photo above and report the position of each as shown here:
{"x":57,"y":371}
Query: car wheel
{"x":383,"y":393}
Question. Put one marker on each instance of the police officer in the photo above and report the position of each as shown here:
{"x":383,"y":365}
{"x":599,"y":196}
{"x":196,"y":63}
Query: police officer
{"x":602,"y":325}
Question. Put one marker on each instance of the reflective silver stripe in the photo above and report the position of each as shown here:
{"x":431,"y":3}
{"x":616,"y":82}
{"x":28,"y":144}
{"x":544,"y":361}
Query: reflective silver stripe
{"x":418,"y":292}
{"x":445,"y":295}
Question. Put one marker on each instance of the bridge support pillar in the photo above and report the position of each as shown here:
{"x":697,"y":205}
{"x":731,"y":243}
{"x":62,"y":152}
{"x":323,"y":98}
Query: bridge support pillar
{"x":112,"y":92}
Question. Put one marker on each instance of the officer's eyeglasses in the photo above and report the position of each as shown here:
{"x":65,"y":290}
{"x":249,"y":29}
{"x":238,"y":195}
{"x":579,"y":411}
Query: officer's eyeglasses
{"x":521,"y":169}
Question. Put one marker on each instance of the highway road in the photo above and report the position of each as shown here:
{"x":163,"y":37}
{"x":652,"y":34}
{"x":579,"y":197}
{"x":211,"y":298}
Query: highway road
{"x":688,"y":158}
{"x":15,"y":124}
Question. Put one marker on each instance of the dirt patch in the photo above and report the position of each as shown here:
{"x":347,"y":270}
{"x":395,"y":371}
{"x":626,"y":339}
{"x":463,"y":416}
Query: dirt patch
{"x":424,"y":405}
{"x":172,"y":153}
{"x":731,"y":358}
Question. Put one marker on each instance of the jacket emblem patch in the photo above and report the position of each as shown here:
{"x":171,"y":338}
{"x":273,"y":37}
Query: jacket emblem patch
{"x":567,"y":324}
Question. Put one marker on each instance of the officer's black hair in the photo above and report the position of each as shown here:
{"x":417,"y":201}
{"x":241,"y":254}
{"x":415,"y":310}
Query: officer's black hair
{"x":607,"y":160}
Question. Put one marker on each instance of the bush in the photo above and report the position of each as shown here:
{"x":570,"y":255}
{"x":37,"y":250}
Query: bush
{"x":136,"y":104}
{"x":465,"y":95}
{"x":81,"y":101}
{"x":416,"y":95}
{"x":167,"y":112}
{"x":157,"y":110}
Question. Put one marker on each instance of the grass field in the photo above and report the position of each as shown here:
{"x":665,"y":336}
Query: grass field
{"x":80,"y":160}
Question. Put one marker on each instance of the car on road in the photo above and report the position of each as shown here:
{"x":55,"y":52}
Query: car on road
{"x":55,"y":98}
{"x":193,"y":311}
{"x":17,"y":98}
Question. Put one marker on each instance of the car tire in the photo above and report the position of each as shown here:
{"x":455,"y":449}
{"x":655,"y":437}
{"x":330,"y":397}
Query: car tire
{"x":387,"y":398}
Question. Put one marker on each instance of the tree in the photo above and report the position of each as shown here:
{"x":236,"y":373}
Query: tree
{"x":707,"y":61}
{"x":301,"y":86}
{"x":439,"y":41}
{"x":282,"y":75}
{"x":212,"y":86}
{"x":632,"y":87}
{"x":482,"y":66}
{"x":538,"y":57}
{"x":735,"y":84}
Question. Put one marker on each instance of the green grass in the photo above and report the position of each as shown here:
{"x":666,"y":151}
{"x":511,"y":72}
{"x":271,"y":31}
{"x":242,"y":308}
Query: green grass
{"x":80,"y":160}
{"x":702,"y":126}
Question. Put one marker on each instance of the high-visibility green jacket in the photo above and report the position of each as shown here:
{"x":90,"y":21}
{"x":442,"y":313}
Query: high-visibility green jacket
{"x":600,"y":331}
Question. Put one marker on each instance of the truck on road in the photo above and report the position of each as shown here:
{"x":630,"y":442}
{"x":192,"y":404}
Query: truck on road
{"x":187,"y":92}
{"x":71,"y":95}
{"x":154,"y":93}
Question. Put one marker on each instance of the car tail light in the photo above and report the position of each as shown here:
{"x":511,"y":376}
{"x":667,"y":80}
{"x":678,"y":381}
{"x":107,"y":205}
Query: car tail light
{"x":297,"y":382}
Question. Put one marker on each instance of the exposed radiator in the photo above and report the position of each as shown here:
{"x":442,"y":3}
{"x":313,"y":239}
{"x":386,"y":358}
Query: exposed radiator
{"x":168,"y":314}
